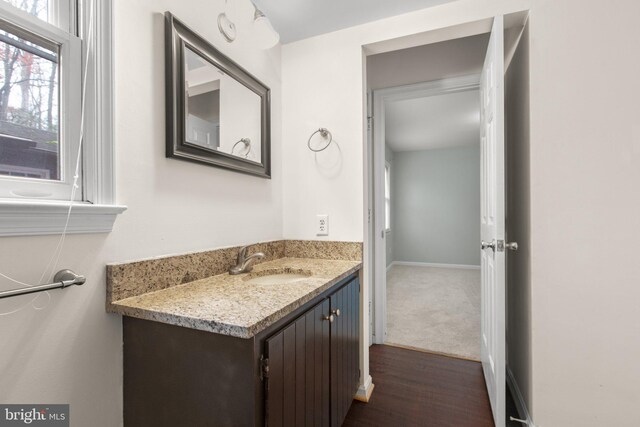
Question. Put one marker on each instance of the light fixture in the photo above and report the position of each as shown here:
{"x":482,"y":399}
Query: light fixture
{"x":226,"y":27}
{"x":264,"y":33}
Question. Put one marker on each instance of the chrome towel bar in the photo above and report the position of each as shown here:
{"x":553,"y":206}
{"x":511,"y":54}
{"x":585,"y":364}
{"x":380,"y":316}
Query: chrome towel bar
{"x":62,"y":279}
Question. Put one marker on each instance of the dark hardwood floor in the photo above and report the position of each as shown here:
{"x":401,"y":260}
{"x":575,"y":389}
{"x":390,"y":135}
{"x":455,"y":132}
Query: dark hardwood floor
{"x":414,"y":388}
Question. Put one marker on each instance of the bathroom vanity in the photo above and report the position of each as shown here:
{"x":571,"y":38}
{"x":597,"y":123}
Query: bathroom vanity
{"x":245,"y":350}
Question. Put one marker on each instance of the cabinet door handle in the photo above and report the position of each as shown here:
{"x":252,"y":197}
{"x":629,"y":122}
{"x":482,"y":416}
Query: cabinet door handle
{"x":336,"y":311}
{"x":330,"y":318}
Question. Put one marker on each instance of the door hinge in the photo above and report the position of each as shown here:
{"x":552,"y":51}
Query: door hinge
{"x":369,"y":216}
{"x":264,"y":368}
{"x":369,"y":122}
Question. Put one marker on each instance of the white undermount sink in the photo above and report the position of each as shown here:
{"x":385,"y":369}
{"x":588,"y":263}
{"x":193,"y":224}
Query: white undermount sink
{"x":276,"y":277}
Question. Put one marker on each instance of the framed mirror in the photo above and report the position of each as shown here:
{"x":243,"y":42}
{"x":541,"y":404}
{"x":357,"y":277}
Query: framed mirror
{"x":217,"y":113}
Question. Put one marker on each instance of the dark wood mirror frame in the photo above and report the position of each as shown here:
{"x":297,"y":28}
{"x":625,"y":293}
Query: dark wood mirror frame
{"x":178,"y":37}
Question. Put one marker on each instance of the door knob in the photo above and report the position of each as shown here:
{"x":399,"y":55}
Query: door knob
{"x":502,"y":245}
{"x":485,"y":245}
{"x":330,"y":318}
{"x":336,"y":311}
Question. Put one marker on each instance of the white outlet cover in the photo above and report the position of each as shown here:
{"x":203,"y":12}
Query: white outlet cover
{"x":322,"y":225}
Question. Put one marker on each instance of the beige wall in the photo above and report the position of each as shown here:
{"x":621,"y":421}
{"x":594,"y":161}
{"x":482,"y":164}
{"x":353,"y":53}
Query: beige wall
{"x":71,"y":352}
{"x":585,"y":166}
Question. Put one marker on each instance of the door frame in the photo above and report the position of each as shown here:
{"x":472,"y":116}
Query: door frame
{"x":376,"y":184}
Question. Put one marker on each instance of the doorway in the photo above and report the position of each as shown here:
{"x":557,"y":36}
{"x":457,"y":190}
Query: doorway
{"x":431,"y":197}
{"x":391,"y":231}
{"x":426,"y":132}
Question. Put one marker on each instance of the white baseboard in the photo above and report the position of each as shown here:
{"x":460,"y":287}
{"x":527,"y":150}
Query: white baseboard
{"x":365,"y":390}
{"x":521,"y":406}
{"x":431,"y":264}
{"x":390,"y":266}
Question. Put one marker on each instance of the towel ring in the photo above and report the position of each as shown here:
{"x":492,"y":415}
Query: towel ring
{"x":324,"y":132}
{"x":247,"y":143}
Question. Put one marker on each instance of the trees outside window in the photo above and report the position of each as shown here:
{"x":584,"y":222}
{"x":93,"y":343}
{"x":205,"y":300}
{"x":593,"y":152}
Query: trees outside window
{"x":29,"y":99}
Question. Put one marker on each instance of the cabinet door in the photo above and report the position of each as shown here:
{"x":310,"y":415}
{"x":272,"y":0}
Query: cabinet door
{"x":345,"y":352}
{"x":297,"y":385}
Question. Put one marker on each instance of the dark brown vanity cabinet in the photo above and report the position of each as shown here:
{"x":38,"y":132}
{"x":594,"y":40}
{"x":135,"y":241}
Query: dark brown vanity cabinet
{"x":312,"y":365}
{"x":303,"y":370}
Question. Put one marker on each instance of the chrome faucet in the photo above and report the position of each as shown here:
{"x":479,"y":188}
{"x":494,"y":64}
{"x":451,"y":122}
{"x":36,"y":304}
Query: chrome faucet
{"x":245,"y":263}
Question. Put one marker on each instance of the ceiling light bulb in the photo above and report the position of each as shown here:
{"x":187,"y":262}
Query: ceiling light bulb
{"x":265,"y":34}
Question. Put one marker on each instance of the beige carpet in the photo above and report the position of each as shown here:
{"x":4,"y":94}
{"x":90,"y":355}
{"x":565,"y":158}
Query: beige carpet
{"x":435,"y":309}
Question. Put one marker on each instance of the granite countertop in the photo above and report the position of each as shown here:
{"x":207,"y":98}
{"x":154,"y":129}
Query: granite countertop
{"x":228,"y":305}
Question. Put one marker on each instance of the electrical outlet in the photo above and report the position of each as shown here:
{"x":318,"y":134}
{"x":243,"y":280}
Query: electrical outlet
{"x":322,"y":225}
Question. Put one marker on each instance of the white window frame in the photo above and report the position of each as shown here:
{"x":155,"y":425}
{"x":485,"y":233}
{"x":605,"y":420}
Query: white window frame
{"x":95,"y":210}
{"x":387,"y":197}
{"x":63,"y":14}
{"x":69,"y":48}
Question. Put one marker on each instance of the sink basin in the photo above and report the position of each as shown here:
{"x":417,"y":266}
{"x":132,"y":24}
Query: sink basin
{"x":276,"y":277}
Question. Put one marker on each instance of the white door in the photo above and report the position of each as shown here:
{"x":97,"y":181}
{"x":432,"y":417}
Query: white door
{"x":492,"y":346}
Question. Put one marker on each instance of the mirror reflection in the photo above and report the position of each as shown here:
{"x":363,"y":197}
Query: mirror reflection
{"x":222,"y":114}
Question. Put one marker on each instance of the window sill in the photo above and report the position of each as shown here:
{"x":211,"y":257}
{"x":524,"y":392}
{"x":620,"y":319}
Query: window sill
{"x":36,"y":218}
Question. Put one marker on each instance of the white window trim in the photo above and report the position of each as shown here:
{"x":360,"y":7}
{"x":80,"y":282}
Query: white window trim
{"x":63,"y":16}
{"x":19,"y":218}
{"x":98,"y":211}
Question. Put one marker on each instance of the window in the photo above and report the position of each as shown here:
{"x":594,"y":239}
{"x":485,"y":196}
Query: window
{"x":39,"y":8}
{"x":29,"y":113}
{"x":60,"y":13}
{"x":387,"y":196}
{"x":40,"y":78}
{"x":41,"y":73}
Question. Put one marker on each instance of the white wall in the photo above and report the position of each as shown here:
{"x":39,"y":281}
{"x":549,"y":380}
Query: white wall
{"x":71,"y":352}
{"x":585,"y":159}
{"x":240,"y":111}
{"x":437,"y":205}
{"x":451,"y":58}
{"x":585,"y":170}
{"x":329,"y":182}
{"x":323,"y":80}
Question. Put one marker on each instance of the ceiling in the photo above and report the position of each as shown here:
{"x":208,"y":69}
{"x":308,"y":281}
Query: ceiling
{"x":299,"y":19}
{"x":440,"y":121}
